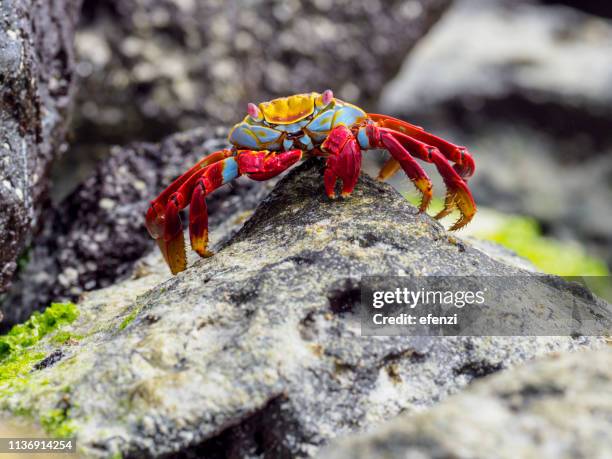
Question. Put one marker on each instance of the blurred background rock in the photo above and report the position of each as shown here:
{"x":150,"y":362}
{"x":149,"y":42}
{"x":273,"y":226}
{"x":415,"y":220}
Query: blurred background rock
{"x":149,"y":68}
{"x":528,"y":87}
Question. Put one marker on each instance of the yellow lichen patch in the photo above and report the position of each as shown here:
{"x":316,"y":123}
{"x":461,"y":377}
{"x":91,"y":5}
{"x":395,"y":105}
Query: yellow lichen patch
{"x":288,"y":110}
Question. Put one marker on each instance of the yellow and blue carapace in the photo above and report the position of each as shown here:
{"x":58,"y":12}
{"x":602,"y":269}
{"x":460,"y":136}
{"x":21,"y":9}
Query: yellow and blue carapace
{"x":277,"y":134}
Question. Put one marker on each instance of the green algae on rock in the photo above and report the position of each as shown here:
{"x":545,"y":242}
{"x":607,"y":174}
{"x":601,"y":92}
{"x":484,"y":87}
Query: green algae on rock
{"x":15,"y":347}
{"x":21,"y":353}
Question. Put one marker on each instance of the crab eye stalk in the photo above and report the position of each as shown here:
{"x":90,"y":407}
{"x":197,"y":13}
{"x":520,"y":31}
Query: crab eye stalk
{"x":325,"y":98}
{"x":254,"y":112}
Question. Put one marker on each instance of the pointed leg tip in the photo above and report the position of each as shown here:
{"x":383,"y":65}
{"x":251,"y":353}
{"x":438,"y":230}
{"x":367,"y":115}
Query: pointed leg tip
{"x":199,"y":241}
{"x":178,"y":265}
{"x":177,"y":269}
{"x":460,"y":224}
{"x":425,"y":202}
{"x":200,"y":246}
{"x":204,"y":253}
{"x":174,"y":253}
{"x":443,"y":213}
{"x":423,"y":206}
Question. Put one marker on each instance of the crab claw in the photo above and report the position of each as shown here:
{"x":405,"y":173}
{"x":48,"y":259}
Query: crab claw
{"x":343,"y":162}
{"x":165,"y":227}
{"x":154,"y":222}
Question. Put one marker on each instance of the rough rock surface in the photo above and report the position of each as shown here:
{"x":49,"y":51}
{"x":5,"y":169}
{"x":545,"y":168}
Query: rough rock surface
{"x":557,"y":408}
{"x":534,"y":107}
{"x":36,"y":76}
{"x":97,"y":233}
{"x":257,"y":350}
{"x":153,"y":67}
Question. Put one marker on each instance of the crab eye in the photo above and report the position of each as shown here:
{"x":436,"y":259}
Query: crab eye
{"x":327,"y":96}
{"x":254,"y":112}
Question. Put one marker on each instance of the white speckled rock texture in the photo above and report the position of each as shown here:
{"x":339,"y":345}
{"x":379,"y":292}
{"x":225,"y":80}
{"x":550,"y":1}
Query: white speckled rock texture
{"x":257,"y":350}
{"x":36,"y":86}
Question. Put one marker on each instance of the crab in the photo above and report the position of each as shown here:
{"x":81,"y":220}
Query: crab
{"x":277,"y":134}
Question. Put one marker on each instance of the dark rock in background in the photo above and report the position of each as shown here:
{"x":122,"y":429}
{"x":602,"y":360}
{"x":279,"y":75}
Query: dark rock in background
{"x":150,"y":68}
{"x":97,"y":233}
{"x":36,"y":86}
{"x":597,"y":7}
{"x":257,"y":351}
{"x":554,"y":408}
{"x":531,"y":95}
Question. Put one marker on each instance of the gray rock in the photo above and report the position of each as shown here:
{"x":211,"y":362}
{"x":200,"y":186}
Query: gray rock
{"x":97,"y":233}
{"x":543,"y":64}
{"x":257,"y":350}
{"x":523,"y":172}
{"x":559,"y":407}
{"x":36,"y":82}
{"x":502,"y":254}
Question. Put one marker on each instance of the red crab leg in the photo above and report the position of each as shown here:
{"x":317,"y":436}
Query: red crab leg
{"x":402,"y":158}
{"x":163,"y":218}
{"x":458,"y":194}
{"x":343,"y":162}
{"x":195,"y":186}
{"x":464,"y":163}
{"x":258,"y":165}
{"x":155,"y":214}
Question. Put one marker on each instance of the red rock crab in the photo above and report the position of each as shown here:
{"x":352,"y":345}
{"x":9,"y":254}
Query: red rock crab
{"x":277,"y":134}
